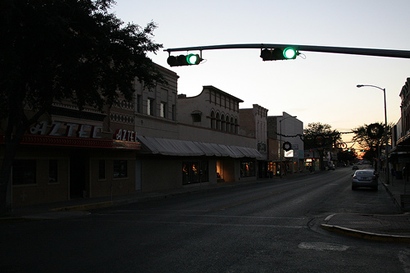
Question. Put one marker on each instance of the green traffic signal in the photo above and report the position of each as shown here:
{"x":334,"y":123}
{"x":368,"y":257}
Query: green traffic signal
{"x":193,"y":59}
{"x":181,"y":60}
{"x":289,"y":53}
{"x":275,"y":54}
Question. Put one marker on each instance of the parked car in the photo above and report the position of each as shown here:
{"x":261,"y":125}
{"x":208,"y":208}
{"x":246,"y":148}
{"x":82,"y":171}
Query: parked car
{"x":365,"y":178}
{"x":355,"y":167}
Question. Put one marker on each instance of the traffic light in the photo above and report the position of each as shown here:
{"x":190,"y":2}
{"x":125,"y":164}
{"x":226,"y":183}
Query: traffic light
{"x":181,"y":60}
{"x":287,"y":53}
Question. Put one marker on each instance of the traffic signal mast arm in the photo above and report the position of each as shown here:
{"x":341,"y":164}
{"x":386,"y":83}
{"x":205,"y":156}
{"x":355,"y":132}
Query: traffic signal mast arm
{"x":392,"y":53}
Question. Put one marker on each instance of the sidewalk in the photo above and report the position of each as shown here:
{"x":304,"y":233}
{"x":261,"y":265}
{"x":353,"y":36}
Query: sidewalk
{"x":386,"y":228}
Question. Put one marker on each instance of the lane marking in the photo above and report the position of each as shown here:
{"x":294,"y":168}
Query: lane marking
{"x":322,"y":246}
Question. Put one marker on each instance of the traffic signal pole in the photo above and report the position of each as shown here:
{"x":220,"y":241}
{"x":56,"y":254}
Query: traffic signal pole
{"x":392,"y":53}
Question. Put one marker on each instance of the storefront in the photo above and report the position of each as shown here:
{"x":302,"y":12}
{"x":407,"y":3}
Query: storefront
{"x":190,"y":162}
{"x":60,"y":161}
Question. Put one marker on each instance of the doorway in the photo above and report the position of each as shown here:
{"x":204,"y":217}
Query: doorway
{"x":78,"y":174}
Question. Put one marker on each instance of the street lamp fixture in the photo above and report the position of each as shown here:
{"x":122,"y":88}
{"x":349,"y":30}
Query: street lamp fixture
{"x":280,"y":143}
{"x":385,"y":125}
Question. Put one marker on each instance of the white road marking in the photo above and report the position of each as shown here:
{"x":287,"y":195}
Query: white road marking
{"x":321,"y":246}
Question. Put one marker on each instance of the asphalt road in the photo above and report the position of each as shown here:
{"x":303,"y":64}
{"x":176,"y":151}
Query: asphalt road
{"x":267,"y":227}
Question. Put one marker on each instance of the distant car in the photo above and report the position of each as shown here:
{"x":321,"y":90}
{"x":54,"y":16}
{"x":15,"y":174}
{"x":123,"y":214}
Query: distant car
{"x":365,"y":178}
{"x":355,"y":167}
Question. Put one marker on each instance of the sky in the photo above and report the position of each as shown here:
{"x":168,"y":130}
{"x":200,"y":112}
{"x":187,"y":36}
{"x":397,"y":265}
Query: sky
{"x":315,"y":87}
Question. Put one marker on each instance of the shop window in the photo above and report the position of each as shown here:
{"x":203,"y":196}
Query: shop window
{"x":247,"y":168}
{"x":195,"y":172}
{"x":120,"y":169}
{"x":53,"y":171}
{"x":101,"y":169}
{"x":24,"y":172}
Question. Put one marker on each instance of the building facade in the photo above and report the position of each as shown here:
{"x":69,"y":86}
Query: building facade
{"x":254,"y":124}
{"x":285,"y":129}
{"x":160,"y":140}
{"x":72,"y":154}
{"x":399,"y":156}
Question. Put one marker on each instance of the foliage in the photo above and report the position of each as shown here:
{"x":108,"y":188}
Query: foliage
{"x":365,"y":141}
{"x":318,"y":135}
{"x":72,"y":50}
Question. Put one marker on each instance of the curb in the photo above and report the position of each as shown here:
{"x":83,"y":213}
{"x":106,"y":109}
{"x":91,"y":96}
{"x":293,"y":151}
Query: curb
{"x":366,"y":235}
{"x":85,"y":206}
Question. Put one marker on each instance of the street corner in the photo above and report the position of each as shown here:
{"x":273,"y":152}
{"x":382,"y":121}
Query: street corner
{"x":364,"y":227}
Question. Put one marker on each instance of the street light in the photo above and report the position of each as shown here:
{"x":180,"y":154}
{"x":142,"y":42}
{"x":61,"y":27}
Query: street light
{"x":280,"y":143}
{"x":385,"y":125}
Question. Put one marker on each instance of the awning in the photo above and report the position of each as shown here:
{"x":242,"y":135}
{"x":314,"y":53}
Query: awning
{"x":175,"y":147}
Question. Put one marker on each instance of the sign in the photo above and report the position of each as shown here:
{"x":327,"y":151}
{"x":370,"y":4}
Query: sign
{"x":66,"y":129}
{"x":289,"y":153}
{"x":125,"y":135}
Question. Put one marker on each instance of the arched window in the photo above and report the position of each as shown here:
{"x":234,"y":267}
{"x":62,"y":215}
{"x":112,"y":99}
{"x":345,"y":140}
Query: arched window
{"x":213,"y":120}
{"x":228,"y":125}
{"x":232,"y":125}
{"x":218,"y":122}
{"x":223,"y":124}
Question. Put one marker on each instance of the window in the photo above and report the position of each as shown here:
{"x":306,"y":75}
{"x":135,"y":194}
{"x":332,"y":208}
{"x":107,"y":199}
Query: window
{"x":139,"y":103}
{"x":24,"y":172}
{"x":196,"y":116}
{"x":247,"y":168}
{"x":101,"y":169}
{"x":194,"y":172}
{"x":150,"y":107}
{"x":223,"y":124}
{"x":213,"y":120}
{"x":52,"y":171}
{"x":163,"y":109}
{"x":174,"y":112}
{"x":120,"y":169}
{"x":218,"y":122}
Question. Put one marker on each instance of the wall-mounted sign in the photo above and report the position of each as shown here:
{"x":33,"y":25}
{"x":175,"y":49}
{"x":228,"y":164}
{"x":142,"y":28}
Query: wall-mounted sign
{"x":66,"y":129}
{"x":125,"y":135}
{"x":289,"y":153}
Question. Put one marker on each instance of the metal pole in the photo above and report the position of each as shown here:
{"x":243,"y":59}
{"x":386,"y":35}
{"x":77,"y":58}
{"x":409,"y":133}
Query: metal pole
{"x":386,"y":139}
{"x":392,"y":53}
{"x":280,"y":148}
{"x":385,"y":126}
{"x":280,"y":143}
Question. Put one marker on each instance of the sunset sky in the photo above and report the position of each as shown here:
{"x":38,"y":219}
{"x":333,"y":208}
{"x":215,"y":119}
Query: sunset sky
{"x":316,"y":87}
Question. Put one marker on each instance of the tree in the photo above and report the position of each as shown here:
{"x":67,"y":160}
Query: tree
{"x":372,"y":141}
{"x":320,"y":137}
{"x":72,"y":50}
